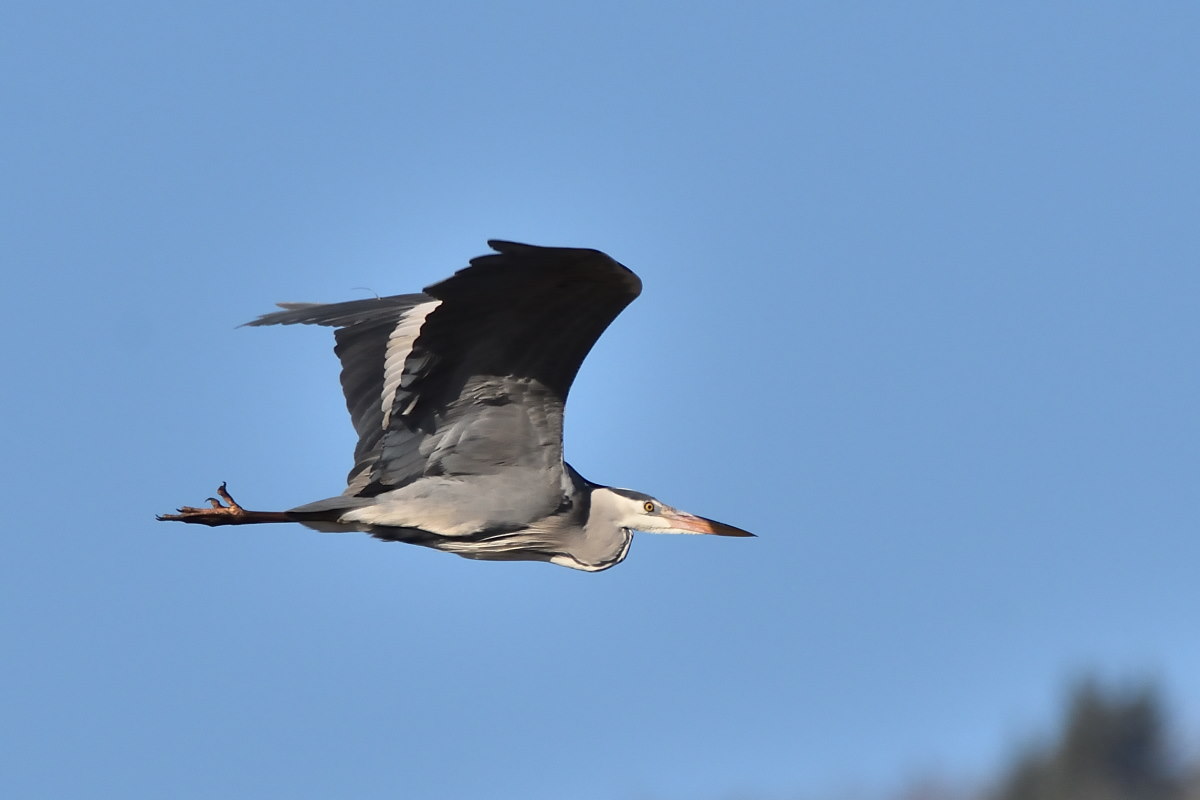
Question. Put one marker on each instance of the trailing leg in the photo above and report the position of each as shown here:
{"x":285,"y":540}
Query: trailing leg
{"x":229,"y":513}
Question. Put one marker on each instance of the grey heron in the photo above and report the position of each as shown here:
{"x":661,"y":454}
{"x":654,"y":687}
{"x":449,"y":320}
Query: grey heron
{"x":457,"y":396}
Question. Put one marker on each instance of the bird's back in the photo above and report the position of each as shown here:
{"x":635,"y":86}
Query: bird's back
{"x":457,"y":393}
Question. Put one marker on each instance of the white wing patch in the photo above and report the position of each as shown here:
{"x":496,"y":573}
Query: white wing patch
{"x":399,"y":347}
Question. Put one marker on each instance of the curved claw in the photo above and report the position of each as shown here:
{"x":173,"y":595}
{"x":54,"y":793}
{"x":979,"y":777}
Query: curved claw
{"x":227,"y":513}
{"x":217,"y":513}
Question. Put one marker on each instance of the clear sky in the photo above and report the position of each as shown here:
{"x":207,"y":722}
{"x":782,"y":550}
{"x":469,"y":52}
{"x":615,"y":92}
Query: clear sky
{"x":922,"y":283}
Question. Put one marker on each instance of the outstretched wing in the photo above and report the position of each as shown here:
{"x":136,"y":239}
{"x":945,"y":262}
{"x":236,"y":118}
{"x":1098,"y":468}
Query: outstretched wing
{"x":374,"y":341}
{"x":470,"y":377}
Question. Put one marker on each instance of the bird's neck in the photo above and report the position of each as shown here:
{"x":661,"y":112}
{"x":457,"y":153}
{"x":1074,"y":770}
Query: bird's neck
{"x":604,"y":540}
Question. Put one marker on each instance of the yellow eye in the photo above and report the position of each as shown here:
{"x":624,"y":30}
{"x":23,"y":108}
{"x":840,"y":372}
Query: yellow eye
{"x":648,"y":506}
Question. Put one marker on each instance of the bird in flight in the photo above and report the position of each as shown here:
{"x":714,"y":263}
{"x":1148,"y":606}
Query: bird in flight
{"x":457,"y":396}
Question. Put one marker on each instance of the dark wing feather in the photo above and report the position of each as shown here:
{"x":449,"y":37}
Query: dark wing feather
{"x":484,"y":383}
{"x":362,"y":339}
{"x":504,"y":345}
{"x":530,"y":311}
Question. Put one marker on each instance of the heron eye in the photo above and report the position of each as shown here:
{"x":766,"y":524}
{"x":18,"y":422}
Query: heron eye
{"x":648,"y":506}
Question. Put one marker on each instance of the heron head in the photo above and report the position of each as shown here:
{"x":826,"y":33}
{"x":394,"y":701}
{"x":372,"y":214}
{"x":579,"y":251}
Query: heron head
{"x":641,"y":512}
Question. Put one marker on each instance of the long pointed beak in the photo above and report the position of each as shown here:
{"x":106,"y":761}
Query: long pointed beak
{"x":690,"y":523}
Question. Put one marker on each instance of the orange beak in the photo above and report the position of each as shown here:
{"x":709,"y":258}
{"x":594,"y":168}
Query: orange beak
{"x":693,"y":524}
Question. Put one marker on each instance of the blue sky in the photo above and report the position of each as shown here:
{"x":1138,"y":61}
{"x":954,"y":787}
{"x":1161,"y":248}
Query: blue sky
{"x":920,"y":310}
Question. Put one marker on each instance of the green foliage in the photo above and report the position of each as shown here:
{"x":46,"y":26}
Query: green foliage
{"x":1113,"y":745}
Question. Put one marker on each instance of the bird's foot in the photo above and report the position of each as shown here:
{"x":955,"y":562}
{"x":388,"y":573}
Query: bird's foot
{"x":217,"y":513}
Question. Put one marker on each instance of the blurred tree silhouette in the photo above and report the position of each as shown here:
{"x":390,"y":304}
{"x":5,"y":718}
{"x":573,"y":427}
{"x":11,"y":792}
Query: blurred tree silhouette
{"x":1113,"y":745}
